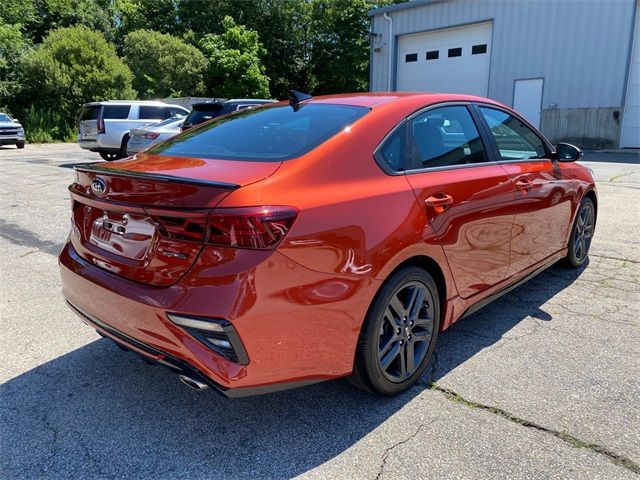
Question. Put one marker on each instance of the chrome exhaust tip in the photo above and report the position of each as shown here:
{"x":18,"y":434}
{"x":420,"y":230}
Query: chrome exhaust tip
{"x":193,"y":383}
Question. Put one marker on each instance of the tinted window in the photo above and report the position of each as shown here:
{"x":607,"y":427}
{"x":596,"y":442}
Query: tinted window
{"x":153,"y":113}
{"x":455,"y":52}
{"x":203,"y":113}
{"x":265,"y":134}
{"x":515,"y":139}
{"x":479,"y":49}
{"x":115,"y":112}
{"x":411,"y":57}
{"x":90,"y":113}
{"x":444,"y":136}
{"x":392,"y":150}
{"x":433,"y":55}
{"x":177,"y":112}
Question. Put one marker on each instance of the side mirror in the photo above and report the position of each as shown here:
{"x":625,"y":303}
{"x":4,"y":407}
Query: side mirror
{"x":565,"y":152}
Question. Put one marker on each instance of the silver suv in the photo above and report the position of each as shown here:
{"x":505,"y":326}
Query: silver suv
{"x":11,"y":132}
{"x":104,"y":127}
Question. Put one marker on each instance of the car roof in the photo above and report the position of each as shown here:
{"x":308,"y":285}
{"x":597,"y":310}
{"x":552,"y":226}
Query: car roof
{"x":374,"y":99}
{"x":133,"y":102}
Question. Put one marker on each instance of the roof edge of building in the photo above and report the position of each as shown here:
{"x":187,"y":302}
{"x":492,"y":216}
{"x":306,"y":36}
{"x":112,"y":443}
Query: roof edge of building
{"x":400,"y":6}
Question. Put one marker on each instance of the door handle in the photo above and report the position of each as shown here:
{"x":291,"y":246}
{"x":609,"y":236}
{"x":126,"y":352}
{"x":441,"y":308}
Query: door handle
{"x":523,"y":184}
{"x":439,"y":202}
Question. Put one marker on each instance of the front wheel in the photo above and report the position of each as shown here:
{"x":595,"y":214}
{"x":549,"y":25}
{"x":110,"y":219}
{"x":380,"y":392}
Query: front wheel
{"x":20,"y":144}
{"x":581,"y":234}
{"x":399,"y":333}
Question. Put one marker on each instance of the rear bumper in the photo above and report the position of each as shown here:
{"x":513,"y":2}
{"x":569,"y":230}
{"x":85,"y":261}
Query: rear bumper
{"x":297,"y":326}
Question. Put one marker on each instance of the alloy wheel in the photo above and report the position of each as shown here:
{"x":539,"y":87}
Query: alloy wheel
{"x":405,"y":331}
{"x":583,"y":232}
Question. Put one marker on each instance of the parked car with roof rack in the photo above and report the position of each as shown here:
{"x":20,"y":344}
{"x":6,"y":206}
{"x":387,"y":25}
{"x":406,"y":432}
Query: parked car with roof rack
{"x":104,"y":127}
{"x":203,"y":111}
{"x":142,"y":138}
{"x":11,"y":132}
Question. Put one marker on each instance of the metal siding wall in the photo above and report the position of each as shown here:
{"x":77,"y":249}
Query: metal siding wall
{"x":581,"y":48}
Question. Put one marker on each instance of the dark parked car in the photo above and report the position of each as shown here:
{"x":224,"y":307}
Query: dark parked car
{"x":201,"y":112}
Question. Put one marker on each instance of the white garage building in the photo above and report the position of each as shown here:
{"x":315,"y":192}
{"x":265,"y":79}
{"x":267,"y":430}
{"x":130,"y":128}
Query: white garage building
{"x":571,"y":67}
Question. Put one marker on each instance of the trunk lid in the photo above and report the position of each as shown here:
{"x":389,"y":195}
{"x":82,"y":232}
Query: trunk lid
{"x":145,"y":219}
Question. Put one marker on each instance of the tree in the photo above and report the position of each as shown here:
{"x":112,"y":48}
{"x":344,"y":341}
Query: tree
{"x":340,"y":47}
{"x":235,"y":66}
{"x":72,"y":66}
{"x":164,"y":65}
{"x":12,"y":48}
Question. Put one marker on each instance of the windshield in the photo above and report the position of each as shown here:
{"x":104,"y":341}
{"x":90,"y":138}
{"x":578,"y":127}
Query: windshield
{"x":265,"y":134}
{"x":4,"y":118}
{"x":168,"y":121}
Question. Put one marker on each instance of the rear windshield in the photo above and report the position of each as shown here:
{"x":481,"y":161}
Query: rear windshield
{"x":201,"y":114}
{"x":265,"y":134}
{"x":90,"y":112}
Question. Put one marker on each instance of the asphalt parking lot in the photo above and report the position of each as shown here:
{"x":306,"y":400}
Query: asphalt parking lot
{"x":543,"y":383}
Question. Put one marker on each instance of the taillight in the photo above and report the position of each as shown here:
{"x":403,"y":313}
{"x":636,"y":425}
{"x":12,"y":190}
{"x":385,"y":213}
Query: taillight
{"x":152,"y":135}
{"x":250,"y":227}
{"x":189,"y":226}
{"x":100,"y":124}
{"x":246,"y":227}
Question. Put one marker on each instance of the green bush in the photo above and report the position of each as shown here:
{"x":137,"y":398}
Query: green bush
{"x":72,"y":66}
{"x":163,"y":65}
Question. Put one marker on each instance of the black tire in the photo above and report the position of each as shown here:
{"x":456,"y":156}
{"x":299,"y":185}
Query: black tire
{"x":581,"y":234}
{"x":110,"y":156}
{"x":20,"y":145}
{"x":411,"y":333}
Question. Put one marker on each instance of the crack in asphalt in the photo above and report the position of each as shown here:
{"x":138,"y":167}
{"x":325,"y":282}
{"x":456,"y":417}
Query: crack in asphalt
{"x":575,"y":442}
{"x":388,"y":450}
{"x":614,"y":258}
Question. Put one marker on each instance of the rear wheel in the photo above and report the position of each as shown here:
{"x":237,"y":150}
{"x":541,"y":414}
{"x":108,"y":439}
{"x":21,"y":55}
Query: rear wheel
{"x":581,"y":234}
{"x":399,"y":333}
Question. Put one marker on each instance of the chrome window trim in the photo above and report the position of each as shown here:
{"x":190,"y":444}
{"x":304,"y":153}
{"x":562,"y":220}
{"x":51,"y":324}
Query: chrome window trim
{"x":386,"y":169}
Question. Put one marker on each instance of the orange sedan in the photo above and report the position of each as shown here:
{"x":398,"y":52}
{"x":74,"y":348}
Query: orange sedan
{"x":320,"y":238}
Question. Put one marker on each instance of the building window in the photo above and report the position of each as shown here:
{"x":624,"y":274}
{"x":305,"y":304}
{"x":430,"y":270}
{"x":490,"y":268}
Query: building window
{"x":455,"y":52}
{"x":479,"y":49}
{"x":411,"y":57}
{"x":433,"y":55}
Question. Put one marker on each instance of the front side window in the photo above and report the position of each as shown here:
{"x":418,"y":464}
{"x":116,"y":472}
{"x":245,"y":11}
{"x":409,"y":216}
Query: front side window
{"x":515,"y":140}
{"x":263,"y":134}
{"x":442,"y":137}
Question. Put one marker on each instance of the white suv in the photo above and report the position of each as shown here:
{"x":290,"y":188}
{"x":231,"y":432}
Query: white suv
{"x":104,"y":127}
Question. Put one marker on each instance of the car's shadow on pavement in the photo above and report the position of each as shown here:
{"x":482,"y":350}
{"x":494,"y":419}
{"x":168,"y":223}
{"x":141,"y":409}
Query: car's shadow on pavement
{"x":97,"y":411}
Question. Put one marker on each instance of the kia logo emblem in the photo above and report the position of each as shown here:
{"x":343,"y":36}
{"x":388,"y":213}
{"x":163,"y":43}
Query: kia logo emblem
{"x":99,"y":187}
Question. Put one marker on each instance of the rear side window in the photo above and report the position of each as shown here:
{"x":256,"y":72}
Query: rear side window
{"x":266,"y":134}
{"x":444,"y":136}
{"x":115,"y":112}
{"x":177,"y":112}
{"x":153,"y":113}
{"x":90,"y":112}
{"x":515,"y":140}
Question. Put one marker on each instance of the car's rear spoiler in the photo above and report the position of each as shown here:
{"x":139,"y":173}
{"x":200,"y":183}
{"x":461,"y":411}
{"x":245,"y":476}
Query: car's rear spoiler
{"x":97,"y":168}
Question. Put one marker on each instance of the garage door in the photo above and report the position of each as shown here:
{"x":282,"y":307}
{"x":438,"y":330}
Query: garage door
{"x":455,"y":60}
{"x":631,"y":120}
